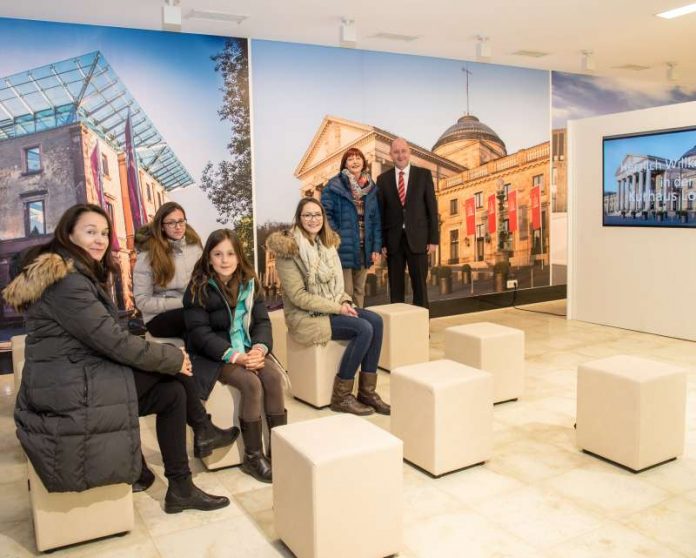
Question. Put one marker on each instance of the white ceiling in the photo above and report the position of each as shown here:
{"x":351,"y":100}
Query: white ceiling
{"x":619,"y":32}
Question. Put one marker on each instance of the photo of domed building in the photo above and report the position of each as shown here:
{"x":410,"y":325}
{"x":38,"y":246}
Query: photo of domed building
{"x":471,"y":168}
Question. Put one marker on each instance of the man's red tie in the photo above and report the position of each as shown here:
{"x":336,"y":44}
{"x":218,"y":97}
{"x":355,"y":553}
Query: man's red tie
{"x":402,"y":188}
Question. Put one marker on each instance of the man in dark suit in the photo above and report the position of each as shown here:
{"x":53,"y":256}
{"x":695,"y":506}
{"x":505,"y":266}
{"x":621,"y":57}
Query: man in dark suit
{"x":409,"y":223}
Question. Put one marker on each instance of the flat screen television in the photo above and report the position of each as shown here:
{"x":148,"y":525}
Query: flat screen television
{"x":650,"y":179}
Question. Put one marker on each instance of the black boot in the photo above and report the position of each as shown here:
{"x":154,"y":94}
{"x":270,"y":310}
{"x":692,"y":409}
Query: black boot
{"x":255,"y":463}
{"x":182,"y":495}
{"x":146,"y":478}
{"x":273,"y":421}
{"x":207,"y":437}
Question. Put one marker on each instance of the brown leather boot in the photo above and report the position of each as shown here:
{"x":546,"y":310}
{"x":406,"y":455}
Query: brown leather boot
{"x":343,"y":400}
{"x":368,"y":396}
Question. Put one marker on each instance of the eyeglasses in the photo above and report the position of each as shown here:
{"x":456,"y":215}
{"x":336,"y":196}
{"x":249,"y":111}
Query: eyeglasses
{"x":175,"y":224}
{"x":312,"y":216}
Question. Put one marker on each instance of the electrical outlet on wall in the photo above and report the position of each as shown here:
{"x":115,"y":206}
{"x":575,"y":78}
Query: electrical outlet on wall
{"x":512,"y":283}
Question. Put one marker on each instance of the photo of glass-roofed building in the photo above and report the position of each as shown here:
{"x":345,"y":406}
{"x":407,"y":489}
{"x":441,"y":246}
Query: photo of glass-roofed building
{"x":71,"y":132}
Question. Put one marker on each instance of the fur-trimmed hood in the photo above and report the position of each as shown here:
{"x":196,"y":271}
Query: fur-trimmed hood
{"x":46,"y":270}
{"x":284,"y":245}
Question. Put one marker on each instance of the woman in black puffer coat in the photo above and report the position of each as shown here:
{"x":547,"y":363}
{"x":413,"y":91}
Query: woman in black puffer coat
{"x":86,"y":380}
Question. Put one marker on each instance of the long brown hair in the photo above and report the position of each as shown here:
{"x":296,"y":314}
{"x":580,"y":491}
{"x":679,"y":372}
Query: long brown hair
{"x":203,"y":270}
{"x":153,"y":239}
{"x":323,"y":233}
{"x":62,"y":245}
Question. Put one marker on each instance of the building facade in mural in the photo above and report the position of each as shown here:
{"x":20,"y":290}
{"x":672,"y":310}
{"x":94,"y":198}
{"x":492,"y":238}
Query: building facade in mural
{"x":70,"y":132}
{"x":493,"y":205}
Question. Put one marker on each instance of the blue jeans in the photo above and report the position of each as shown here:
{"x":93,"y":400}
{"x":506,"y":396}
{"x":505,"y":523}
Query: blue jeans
{"x":365,"y":335}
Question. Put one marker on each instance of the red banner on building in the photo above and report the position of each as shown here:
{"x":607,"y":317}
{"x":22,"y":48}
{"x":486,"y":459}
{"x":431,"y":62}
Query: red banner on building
{"x":491,"y":213}
{"x":535,"y":197}
{"x":135,"y":198}
{"x":470,"y":210}
{"x":512,"y":211}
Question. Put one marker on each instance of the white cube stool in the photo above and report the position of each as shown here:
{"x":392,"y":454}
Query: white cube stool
{"x":312,"y":369}
{"x":63,"y":518}
{"x":443,"y":412}
{"x":337,"y":488}
{"x":17,"y":344}
{"x":631,"y":410}
{"x":223,"y":405}
{"x":406,"y":334}
{"x":494,"y":348}
{"x":279,"y":331}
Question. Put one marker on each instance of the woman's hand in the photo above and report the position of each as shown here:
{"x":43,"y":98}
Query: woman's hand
{"x":186,"y":367}
{"x":376,"y":256}
{"x":348,"y":310}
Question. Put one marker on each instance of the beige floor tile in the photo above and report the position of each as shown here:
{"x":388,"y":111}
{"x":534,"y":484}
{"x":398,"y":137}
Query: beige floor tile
{"x":539,"y":517}
{"x":613,"y":540}
{"x":17,"y":538}
{"x":607,"y":492}
{"x":673,"y":523}
{"x":464,"y":534}
{"x":528,"y":460}
{"x":478,"y":484}
{"x":237,"y":536}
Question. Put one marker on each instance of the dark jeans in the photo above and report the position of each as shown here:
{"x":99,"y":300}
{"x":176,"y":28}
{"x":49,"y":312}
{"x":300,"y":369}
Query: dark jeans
{"x":168,"y":324}
{"x":163,"y":396}
{"x":365,"y":335}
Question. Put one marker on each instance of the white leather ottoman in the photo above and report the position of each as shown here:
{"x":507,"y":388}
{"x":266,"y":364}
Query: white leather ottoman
{"x":494,"y":348}
{"x":17,"y":343}
{"x":406,"y":334}
{"x":223,"y":406}
{"x":443,"y":412}
{"x":280,"y":330}
{"x":312,"y":369}
{"x":337,"y":488}
{"x":631,"y":410}
{"x":63,"y":518}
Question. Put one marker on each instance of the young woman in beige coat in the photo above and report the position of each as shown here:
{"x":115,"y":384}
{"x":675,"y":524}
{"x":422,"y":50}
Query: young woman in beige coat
{"x":317,"y":309}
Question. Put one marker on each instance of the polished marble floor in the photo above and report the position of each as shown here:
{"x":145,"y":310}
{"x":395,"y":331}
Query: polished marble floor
{"x":537,"y":497}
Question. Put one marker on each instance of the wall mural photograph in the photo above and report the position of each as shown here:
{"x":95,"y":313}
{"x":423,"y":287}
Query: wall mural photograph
{"x":126,"y":119}
{"x":481,"y":130}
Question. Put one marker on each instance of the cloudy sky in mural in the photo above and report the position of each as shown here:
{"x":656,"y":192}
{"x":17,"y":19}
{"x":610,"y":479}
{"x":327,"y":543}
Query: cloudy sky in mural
{"x":580,"y":96}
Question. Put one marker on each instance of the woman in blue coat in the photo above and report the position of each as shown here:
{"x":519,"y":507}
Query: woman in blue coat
{"x":350,"y":200}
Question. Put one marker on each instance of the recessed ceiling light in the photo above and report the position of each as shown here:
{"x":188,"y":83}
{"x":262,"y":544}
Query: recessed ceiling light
{"x":530,"y":53}
{"x":633,"y":67}
{"x":678,"y":12}
{"x":217,"y":16}
{"x":394,"y":37}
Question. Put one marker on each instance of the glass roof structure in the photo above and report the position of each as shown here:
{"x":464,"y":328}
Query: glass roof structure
{"x":86,"y":89}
